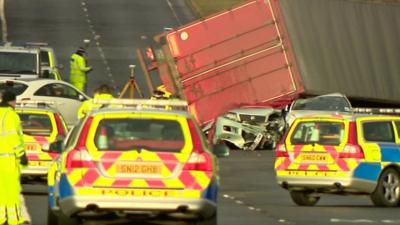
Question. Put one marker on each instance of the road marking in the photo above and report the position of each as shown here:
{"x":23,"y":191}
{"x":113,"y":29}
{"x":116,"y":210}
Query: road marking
{"x":174,"y":12}
{"x":96,"y":37}
{"x":337,"y":220}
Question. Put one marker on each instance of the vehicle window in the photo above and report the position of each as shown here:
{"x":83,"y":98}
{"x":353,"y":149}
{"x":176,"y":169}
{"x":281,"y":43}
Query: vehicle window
{"x":132,"y":133}
{"x":44,"y":58}
{"x":326,"y":103}
{"x":18,"y":62}
{"x":17,"y":88}
{"x":379,"y":131}
{"x":58,"y":90}
{"x":36,"y":124}
{"x":72,"y":135}
{"x":324,"y":133}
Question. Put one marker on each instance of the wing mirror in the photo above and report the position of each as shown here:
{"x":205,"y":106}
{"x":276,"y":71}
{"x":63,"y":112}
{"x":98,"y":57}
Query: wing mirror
{"x":55,"y":147}
{"x":221,"y":150}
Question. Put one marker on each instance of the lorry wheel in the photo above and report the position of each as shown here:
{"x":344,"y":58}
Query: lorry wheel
{"x":387,"y":191}
{"x":303,"y":198}
{"x":52,"y":218}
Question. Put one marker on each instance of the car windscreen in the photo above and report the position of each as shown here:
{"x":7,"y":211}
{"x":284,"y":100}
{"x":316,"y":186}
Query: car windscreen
{"x":139,"y":134}
{"x":16,"y":88}
{"x":318,"y":132}
{"x":327,"y":103}
{"x":36,"y":124}
{"x":18,"y":63}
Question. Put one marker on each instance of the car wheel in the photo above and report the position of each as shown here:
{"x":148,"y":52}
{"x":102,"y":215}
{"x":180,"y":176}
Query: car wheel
{"x":210,"y":221}
{"x":304,"y":198}
{"x":52,"y":218}
{"x":387,"y":192}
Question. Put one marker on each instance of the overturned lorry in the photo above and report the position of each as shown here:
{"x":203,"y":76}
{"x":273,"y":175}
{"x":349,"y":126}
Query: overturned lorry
{"x":271,"y":52}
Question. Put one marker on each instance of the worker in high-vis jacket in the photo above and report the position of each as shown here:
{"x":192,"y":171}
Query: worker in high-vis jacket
{"x":79,"y":70}
{"x":103,"y":92}
{"x":12,"y":156}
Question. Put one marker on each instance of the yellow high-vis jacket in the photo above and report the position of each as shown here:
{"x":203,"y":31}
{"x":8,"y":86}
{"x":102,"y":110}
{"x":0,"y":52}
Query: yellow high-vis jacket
{"x":78,"y":69}
{"x":88,"y":105}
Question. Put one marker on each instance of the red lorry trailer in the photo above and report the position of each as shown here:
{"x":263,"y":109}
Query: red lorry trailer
{"x":269,"y":52}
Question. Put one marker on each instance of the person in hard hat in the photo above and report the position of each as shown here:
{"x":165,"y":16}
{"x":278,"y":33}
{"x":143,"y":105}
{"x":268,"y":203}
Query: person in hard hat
{"x":79,"y":70}
{"x":161,"y":93}
{"x":103,"y":92}
{"x":12,"y":155}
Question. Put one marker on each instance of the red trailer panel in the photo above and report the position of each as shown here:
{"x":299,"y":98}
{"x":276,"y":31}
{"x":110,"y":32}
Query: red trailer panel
{"x":241,"y":56}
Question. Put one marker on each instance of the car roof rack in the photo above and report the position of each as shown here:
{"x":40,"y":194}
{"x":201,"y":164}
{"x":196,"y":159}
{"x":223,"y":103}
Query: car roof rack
{"x":173,"y":104}
{"x":23,"y":44}
{"x":35,"y":103}
{"x":387,"y":111}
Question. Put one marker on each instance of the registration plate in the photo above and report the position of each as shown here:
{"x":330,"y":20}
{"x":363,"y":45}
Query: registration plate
{"x":315,"y":158}
{"x":138,"y":169}
{"x":139,"y":192}
{"x":39,"y":163}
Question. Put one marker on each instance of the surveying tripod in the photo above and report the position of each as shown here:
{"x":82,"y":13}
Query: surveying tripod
{"x":131,"y":85}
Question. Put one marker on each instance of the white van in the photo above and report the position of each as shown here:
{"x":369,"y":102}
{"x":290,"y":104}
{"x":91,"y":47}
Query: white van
{"x":19,"y":62}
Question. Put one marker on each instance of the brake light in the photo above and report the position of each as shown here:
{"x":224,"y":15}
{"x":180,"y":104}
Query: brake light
{"x":199,"y":159}
{"x":352,"y":148}
{"x":281,"y":150}
{"x":79,"y":157}
{"x":60,"y":125}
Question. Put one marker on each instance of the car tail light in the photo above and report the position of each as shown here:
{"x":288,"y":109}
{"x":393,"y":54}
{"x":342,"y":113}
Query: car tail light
{"x":79,"y":157}
{"x":352,"y":148}
{"x":60,"y":125}
{"x":281,"y":150}
{"x":199,"y":159}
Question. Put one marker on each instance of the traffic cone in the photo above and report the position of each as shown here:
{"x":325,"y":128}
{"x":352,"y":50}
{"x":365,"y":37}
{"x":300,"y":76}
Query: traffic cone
{"x":102,"y":142}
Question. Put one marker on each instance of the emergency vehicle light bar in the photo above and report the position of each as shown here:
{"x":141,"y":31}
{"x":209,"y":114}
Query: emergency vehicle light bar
{"x":145,"y":103}
{"x":377,"y":110}
{"x":35,"y":103}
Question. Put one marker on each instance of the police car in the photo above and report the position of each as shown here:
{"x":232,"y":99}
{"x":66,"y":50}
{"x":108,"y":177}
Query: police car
{"x":41,"y":126}
{"x":341,"y":154}
{"x":134,"y":159}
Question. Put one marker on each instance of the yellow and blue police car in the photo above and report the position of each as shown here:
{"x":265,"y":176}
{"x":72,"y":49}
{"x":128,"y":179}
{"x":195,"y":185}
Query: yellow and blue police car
{"x":41,"y":126}
{"x":341,"y":154}
{"x":135,"y":161}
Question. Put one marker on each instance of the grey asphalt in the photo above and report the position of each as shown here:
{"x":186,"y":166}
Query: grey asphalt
{"x":116,"y":28}
{"x":248,"y":194}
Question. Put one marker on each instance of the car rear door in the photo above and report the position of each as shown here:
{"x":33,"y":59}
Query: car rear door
{"x":148,"y":152}
{"x":315,"y":147}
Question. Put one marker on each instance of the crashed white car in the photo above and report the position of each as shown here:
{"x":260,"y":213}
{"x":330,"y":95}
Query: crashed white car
{"x":335,"y":102}
{"x":250,"y":128}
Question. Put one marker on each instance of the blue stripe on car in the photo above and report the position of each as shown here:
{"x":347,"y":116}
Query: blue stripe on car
{"x":368,"y":171}
{"x":390,"y":153}
{"x":64,"y":187}
{"x":211,"y":193}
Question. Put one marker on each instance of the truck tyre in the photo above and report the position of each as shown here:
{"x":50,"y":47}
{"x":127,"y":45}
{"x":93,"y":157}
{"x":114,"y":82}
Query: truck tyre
{"x":52,"y":218}
{"x":387,"y":191}
{"x":303,"y":198}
